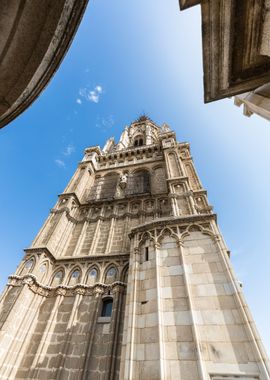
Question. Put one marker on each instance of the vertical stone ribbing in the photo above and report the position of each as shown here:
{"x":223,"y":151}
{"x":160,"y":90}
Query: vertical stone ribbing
{"x":90,"y":335}
{"x":67,"y":313}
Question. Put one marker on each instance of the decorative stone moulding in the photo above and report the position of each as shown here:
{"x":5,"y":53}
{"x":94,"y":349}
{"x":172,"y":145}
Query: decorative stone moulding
{"x":64,"y":290}
{"x":35,"y":36}
{"x":236,"y":54}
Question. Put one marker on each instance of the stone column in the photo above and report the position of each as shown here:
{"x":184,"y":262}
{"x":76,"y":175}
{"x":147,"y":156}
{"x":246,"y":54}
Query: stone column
{"x":33,"y":373}
{"x":70,"y":327}
{"x":80,"y":241}
{"x":63,"y":242}
{"x":110,"y":237}
{"x":98,"y":292}
{"x":117,"y":309}
{"x":23,"y":327}
{"x":127,"y":355}
{"x":163,"y":375}
{"x":202,"y":371}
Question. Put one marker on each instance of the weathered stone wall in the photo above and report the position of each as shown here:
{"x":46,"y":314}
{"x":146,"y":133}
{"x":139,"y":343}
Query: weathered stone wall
{"x":138,"y":216}
{"x":186,"y":316}
{"x":61,"y":336}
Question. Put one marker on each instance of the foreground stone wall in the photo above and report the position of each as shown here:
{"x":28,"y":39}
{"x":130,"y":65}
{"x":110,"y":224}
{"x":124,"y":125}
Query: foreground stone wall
{"x":62,"y":336}
{"x":186,"y":315}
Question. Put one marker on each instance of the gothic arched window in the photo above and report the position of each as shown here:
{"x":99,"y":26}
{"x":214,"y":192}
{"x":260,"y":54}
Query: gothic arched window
{"x":43,"y":268}
{"x":57,"y":278}
{"x":139,"y":141}
{"x":41,"y":272}
{"x":111,"y":275}
{"x":106,"y":310}
{"x":104,"y":187}
{"x":28,"y":266}
{"x":138,"y":183}
{"x":92,"y":276}
{"x":29,"y":263}
{"x":75,"y":276}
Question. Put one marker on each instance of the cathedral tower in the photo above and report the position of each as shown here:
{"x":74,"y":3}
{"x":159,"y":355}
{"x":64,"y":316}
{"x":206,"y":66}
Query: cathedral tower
{"x":130,"y":278}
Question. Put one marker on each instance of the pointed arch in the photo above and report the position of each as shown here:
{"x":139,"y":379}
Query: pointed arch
{"x":158,"y":180}
{"x":145,"y":236}
{"x":138,"y":182}
{"x":167,"y":231}
{"x":111,"y":273}
{"x":92,"y":275}
{"x":57,"y":277}
{"x":75,"y":275}
{"x":193,"y":228}
{"x":174,"y":166}
{"x":28,"y":266}
{"x":42,"y":270}
{"x":104,"y":187}
{"x":124,"y":274}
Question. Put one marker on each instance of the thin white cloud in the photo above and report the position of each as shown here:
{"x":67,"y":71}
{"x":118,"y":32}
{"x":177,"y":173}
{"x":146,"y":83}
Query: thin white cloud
{"x":90,"y":95}
{"x":105,"y":123}
{"x":93,"y":96}
{"x":60,"y":163}
{"x":98,"y":89}
{"x":69,"y":150}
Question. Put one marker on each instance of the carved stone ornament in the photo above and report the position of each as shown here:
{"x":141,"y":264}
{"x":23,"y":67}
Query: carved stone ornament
{"x":168,"y":143}
{"x":63,"y":290}
{"x":123,"y":181}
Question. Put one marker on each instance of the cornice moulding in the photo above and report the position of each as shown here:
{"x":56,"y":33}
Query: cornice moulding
{"x":64,"y":290}
{"x":173,"y":220}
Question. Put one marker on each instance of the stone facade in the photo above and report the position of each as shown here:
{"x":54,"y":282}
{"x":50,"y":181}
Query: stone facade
{"x":129,"y":278}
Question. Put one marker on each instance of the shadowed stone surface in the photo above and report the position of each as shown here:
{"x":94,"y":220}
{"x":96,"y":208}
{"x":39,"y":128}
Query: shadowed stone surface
{"x":34,"y":38}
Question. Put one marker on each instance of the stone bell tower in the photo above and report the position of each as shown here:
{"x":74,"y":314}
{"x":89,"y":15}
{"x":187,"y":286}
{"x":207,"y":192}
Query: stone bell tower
{"x":130,"y":278}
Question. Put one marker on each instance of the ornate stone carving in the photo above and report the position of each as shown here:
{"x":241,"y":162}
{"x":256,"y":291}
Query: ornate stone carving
{"x":63,"y":290}
{"x":123,"y":180}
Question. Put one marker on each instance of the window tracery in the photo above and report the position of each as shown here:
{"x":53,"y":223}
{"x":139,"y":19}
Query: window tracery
{"x":92,"y":276}
{"x":138,"y":183}
{"x":111,"y":275}
{"x":58,"y":278}
{"x":104,"y":187}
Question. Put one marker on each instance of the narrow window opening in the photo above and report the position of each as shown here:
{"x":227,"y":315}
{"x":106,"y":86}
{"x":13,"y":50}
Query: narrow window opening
{"x":141,"y":142}
{"x":107,"y":308}
{"x":136,"y":142}
{"x":146,"y":254}
{"x":28,"y":264}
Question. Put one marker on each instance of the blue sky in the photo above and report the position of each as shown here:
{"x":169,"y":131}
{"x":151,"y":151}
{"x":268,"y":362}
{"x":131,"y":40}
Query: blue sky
{"x":128,"y":58}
